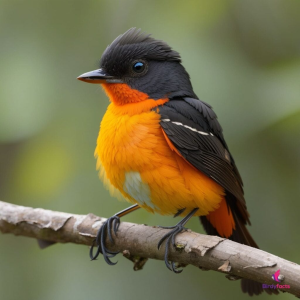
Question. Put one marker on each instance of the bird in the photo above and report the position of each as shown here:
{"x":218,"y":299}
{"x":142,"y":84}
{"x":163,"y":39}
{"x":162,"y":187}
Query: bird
{"x":163,"y":149}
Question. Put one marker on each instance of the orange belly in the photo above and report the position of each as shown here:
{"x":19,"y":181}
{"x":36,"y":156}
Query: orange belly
{"x":135,"y":159}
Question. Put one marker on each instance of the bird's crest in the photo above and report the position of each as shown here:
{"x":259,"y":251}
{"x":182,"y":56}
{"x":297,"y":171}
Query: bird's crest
{"x":145,"y":47}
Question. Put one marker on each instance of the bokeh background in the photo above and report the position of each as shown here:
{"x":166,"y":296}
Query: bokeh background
{"x":243,"y":58}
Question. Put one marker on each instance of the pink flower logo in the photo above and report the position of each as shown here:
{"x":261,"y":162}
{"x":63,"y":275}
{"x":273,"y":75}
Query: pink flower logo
{"x":275,"y":276}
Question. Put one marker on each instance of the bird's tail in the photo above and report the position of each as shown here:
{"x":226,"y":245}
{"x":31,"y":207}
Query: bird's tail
{"x":232,"y":214}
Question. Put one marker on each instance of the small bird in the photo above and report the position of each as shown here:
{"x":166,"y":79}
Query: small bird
{"x":162,"y":148}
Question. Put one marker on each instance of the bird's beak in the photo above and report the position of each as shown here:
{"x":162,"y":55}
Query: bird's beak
{"x":98,"y":76}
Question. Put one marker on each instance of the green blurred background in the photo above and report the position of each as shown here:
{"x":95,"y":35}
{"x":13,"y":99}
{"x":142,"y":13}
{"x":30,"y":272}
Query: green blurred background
{"x":243,"y":58}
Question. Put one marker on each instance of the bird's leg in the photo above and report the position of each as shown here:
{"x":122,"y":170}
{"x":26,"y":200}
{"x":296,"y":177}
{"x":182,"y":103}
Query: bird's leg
{"x":110,"y":224}
{"x":170,"y":239}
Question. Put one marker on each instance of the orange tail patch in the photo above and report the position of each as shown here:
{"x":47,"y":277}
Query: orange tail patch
{"x":222,"y":220}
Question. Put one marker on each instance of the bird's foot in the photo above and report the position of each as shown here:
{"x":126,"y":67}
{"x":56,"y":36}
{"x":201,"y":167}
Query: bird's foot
{"x":170,"y":241}
{"x":111,"y":224}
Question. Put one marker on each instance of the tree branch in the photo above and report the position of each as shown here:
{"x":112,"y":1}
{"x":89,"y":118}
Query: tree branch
{"x":139,"y":242}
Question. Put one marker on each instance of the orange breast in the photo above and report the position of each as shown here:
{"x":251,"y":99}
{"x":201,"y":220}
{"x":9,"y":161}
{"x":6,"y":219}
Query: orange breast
{"x":135,"y":160}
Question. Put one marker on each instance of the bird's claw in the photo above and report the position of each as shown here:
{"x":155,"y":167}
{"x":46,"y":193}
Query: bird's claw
{"x":110,"y":224}
{"x":170,"y":241}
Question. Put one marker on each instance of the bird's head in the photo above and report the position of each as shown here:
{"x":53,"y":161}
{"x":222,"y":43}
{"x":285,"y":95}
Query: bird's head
{"x":137,"y":64}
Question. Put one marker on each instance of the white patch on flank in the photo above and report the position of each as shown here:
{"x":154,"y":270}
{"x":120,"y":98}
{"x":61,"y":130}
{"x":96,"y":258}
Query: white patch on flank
{"x":137,"y":189}
{"x":190,"y":128}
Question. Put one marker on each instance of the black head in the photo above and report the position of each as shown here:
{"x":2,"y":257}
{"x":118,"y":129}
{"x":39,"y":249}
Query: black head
{"x":145,"y":64}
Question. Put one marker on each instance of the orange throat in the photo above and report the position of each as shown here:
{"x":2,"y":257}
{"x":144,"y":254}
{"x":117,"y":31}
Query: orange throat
{"x":129,"y":100}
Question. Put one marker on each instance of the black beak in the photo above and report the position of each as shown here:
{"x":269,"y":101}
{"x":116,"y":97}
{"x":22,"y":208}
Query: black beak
{"x":98,"y":76}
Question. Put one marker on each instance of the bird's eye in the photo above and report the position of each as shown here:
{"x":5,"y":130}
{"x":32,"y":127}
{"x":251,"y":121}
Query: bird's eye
{"x":138,"y":67}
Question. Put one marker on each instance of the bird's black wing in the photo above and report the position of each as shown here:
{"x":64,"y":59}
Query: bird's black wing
{"x":192,"y":127}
